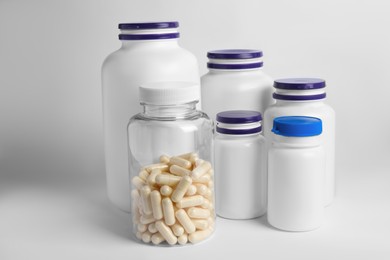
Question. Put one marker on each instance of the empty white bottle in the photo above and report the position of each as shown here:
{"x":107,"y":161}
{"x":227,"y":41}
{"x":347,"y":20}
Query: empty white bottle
{"x":149,"y":53}
{"x":306,"y":97}
{"x":235,"y":81}
{"x":241,"y":182}
{"x":296,"y":167}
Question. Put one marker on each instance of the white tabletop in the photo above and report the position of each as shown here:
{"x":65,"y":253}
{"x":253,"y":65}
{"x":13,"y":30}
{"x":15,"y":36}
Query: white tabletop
{"x":56,"y":220}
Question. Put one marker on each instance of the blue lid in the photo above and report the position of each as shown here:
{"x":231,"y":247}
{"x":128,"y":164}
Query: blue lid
{"x":149,"y":25}
{"x":297,"y":126}
{"x":234,"y":54}
{"x":239,"y":117}
{"x":299,"y":83}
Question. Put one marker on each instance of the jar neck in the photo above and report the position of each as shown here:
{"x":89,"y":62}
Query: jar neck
{"x":169,"y":112}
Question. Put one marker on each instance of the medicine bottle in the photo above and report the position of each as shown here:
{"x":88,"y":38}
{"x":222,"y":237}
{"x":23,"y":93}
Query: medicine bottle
{"x":170,"y":150}
{"x":235,"y":81}
{"x":296,"y":167}
{"x":150,"y":52}
{"x":241,"y":182}
{"x":306,"y":97}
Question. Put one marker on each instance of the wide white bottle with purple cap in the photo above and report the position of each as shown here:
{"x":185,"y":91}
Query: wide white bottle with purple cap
{"x":235,"y":81}
{"x":149,"y":53}
{"x":306,"y":97}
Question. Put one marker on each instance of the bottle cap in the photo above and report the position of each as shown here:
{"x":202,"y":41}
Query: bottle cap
{"x":239,"y":122}
{"x":297,"y":126}
{"x":234,"y":54}
{"x":148,"y":25}
{"x":169,"y":93}
{"x":299,"y":83}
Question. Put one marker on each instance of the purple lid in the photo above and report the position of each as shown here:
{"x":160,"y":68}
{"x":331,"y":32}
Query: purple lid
{"x":239,"y":117}
{"x":234,"y":54}
{"x":298,"y":97}
{"x":148,"y":36}
{"x":234,"y":66}
{"x":150,"y":25}
{"x":299,"y":83}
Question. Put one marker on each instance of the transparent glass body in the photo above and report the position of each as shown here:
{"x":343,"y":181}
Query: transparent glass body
{"x":171,"y":173}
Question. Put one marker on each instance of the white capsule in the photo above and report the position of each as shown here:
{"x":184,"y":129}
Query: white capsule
{"x":206,"y":204}
{"x":175,"y":160}
{"x":146,"y":237}
{"x":191,"y":201}
{"x":165,"y":190}
{"x":198,"y":236}
{"x":152,"y":177}
{"x":138,"y":182}
{"x":185,"y":156}
{"x":191,"y":190}
{"x":167,"y":179}
{"x":166,"y":232}
{"x":147,"y":219}
{"x":179,"y":171}
{"x":168,"y":211}
{"x":198,"y":162}
{"x":145,"y":199}
{"x":201,"y":189}
{"x":152,"y":228}
{"x":193,"y":158}
{"x":181,"y":189}
{"x":157,"y":238}
{"x":183,"y":239}
{"x":198,"y":212}
{"x":205,"y":179}
{"x":185,"y":221}
{"x":143,"y":174}
{"x":201,"y":224}
{"x":201,"y":170}
{"x":155,"y":199}
{"x":164,"y":159}
{"x":158,"y":166}
{"x":142,"y":227}
{"x":177,"y":229}
{"x":138,"y":235}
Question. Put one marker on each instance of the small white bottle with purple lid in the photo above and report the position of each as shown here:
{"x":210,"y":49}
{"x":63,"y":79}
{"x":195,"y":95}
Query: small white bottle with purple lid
{"x":239,"y":170}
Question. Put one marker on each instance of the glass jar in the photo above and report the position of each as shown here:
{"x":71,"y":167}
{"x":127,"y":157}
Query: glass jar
{"x":149,"y":52}
{"x":170,"y":153}
{"x":296,"y":171}
{"x":241,"y":181}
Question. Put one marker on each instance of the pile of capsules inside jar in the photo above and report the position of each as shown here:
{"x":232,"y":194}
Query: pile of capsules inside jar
{"x":173,"y":201}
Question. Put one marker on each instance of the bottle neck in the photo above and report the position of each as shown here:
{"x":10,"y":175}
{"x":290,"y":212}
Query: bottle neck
{"x":170,"y":112}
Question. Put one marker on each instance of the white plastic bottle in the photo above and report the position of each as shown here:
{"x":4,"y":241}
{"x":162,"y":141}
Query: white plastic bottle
{"x":150,"y":52}
{"x":241,"y":182}
{"x":296,"y":167}
{"x":235,"y":81}
{"x":305,"y":97}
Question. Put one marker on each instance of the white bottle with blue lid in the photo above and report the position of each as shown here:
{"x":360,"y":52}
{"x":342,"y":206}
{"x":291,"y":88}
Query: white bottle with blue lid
{"x":239,"y":170}
{"x":306,"y":97}
{"x":296,"y":168}
{"x":149,"y":53}
{"x":235,"y":81}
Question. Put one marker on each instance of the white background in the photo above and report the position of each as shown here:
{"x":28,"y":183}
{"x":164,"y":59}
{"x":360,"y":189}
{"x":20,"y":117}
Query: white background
{"x":52,"y":183}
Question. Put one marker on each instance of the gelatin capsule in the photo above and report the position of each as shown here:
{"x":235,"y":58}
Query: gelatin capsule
{"x":181,"y":189}
{"x":145,"y":199}
{"x":157,"y":238}
{"x":203,"y":179}
{"x":146,"y":237}
{"x":179,"y":161}
{"x":191,"y":190}
{"x":165,"y":190}
{"x":152,"y":228}
{"x":198,"y":236}
{"x":168,"y":211}
{"x":158,"y":166}
{"x":191,"y":201}
{"x":147,"y":219}
{"x":166,"y":232}
{"x":138,"y":182}
{"x":177,"y":229}
{"x":164,"y":159}
{"x":155,"y":199}
{"x":201,"y":189}
{"x":185,"y":156}
{"x":183,"y":239}
{"x":201,"y":224}
{"x":143,"y":175}
{"x":179,"y":171}
{"x":142,"y":227}
{"x":198,"y":212}
{"x":138,"y":235}
{"x":167,"y":179}
{"x":152,"y":177}
{"x":193,"y":158}
{"x":185,"y":221}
